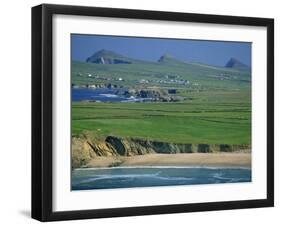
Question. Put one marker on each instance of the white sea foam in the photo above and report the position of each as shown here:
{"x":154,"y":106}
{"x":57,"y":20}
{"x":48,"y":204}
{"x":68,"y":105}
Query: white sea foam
{"x":221,"y":177}
{"x":133,"y":176}
{"x":121,"y":176}
{"x":108,"y":95}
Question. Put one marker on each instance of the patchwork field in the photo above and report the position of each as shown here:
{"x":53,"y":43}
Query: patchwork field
{"x":210,"y":117}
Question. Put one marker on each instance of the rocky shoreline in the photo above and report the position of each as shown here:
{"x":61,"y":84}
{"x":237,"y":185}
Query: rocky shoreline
{"x":143,"y":94}
{"x":85,"y":148}
{"x":158,"y":95}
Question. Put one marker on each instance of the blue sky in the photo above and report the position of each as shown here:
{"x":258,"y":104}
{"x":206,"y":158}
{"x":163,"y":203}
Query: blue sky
{"x":208,"y":52}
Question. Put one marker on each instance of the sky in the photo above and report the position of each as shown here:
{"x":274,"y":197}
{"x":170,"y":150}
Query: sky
{"x":151,"y":49}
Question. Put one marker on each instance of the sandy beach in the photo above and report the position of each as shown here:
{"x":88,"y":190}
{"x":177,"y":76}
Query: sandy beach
{"x":239,"y":159}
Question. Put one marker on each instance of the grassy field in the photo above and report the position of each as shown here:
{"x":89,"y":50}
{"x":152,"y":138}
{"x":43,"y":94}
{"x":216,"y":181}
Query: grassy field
{"x":210,"y":117}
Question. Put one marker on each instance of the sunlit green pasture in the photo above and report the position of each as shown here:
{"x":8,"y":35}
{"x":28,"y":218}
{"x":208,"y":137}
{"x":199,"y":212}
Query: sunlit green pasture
{"x":207,"y":117}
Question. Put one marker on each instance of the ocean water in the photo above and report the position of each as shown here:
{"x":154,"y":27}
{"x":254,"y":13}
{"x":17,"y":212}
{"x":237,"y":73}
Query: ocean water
{"x":101,"y":95}
{"x":129,"y":177}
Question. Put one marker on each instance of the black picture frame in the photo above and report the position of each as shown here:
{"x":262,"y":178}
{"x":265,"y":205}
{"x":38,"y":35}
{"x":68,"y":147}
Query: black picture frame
{"x":42,"y":111}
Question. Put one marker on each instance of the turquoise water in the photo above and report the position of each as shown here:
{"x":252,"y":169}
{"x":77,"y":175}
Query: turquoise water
{"x":108,"y":178}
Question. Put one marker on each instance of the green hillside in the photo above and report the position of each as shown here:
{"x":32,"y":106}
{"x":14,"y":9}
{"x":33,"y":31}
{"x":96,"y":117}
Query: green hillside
{"x":167,"y":72}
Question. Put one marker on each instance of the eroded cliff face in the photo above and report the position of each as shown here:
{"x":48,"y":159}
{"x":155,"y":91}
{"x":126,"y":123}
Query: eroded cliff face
{"x":85,"y":148}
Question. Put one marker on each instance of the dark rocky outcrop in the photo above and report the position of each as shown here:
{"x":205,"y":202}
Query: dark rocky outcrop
{"x":203,"y":148}
{"x":159,"y":95}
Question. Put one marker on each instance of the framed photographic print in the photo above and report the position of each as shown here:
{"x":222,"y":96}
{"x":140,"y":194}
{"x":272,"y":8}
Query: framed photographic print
{"x":145,"y":112}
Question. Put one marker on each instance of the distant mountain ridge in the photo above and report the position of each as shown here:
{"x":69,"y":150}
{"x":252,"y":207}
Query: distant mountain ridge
{"x":104,"y":56}
{"x":236,"y":64}
{"x":108,"y":57}
{"x":169,"y":59}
